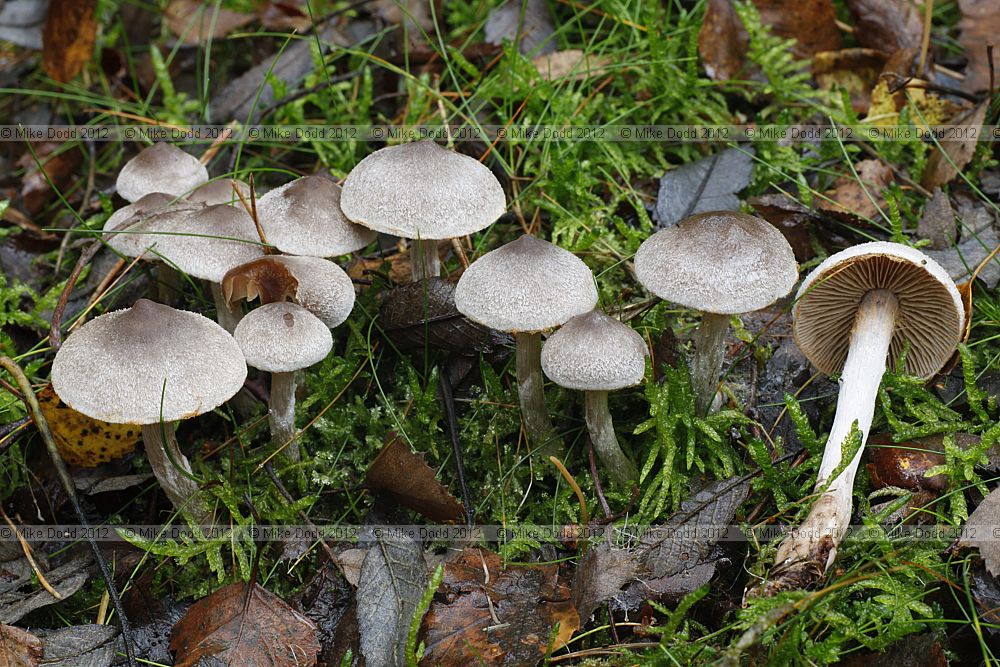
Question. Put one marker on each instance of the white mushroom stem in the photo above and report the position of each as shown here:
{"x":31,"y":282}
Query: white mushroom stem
{"x":224,"y":315}
{"x":424,"y":260}
{"x":281,"y":415}
{"x":531,"y":393}
{"x":602,"y":434}
{"x":182,"y":491}
{"x":710,"y":350}
{"x":169,"y":284}
{"x":807,"y":554}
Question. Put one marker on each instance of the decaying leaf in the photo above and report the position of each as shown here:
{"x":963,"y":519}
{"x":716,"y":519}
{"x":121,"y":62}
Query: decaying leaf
{"x":501,"y":616}
{"x":903,"y":465}
{"x":938,"y":221}
{"x":887,"y":25}
{"x":794,"y":220}
{"x":83,"y":441}
{"x":21,"y":22}
{"x":978,"y":239}
{"x":19,"y":648}
{"x":601,"y":574}
{"x":79,"y":646}
{"x":980,"y":26}
{"x":978,"y":531}
{"x":68,"y":37}
{"x":854,"y":70}
{"x":393,"y":578}
{"x":195,"y":22}
{"x":811,"y":23}
{"x":531,"y":20}
{"x":326,"y":599}
{"x":723,"y":43}
{"x":945,"y":164}
{"x":20,"y":594}
{"x":709,"y":184}
{"x":571,"y":63}
{"x":859,"y":197}
{"x":58,"y":168}
{"x":262,"y":631}
{"x":406,"y":477}
{"x":264,"y":278}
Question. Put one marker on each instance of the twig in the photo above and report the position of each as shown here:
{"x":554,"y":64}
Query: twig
{"x":597,"y":480}
{"x":456,"y":446}
{"x":42,"y":425}
{"x":251,"y":209}
{"x":55,"y":335}
{"x":26,"y":548}
{"x":925,"y":39}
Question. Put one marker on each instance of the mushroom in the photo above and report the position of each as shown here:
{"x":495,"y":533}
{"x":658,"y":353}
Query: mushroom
{"x":145,"y":207}
{"x":281,"y":338}
{"x":722,"y":263}
{"x":160,"y":168}
{"x":525,"y":287}
{"x":304,"y":218}
{"x":423,"y":192}
{"x":151,"y":365}
{"x":220,"y":191}
{"x":204,"y":243}
{"x":596,"y":354}
{"x":857,"y":309}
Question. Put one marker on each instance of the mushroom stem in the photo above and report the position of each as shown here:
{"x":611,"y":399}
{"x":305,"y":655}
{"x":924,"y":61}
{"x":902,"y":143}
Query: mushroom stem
{"x":224,"y":315}
{"x":182,"y":491}
{"x":602,"y":434}
{"x":709,"y":344}
{"x":806,"y":555}
{"x":281,"y":414}
{"x":168,"y":284}
{"x":530,"y":391}
{"x":424,"y":260}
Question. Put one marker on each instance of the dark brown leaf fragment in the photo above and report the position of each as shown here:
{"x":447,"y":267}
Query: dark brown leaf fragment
{"x":68,"y":38}
{"x":406,"y":477}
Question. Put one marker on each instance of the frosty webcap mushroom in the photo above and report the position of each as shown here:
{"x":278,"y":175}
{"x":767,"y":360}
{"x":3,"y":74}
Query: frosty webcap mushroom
{"x":160,"y":168}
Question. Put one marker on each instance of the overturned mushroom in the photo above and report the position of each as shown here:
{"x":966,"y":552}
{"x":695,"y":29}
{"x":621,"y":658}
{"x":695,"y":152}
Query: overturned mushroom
{"x":423,"y":192}
{"x":151,"y":365}
{"x":721,"y":263}
{"x":525,"y":287}
{"x":856,"y":312}
{"x":596,"y":354}
{"x":281,"y":338}
{"x":160,"y":168}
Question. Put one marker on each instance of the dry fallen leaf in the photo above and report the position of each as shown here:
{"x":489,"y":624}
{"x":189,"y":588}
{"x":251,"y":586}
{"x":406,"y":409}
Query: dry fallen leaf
{"x":260,"y":632}
{"x":406,"y":477}
{"x":978,"y":531}
{"x":860,"y":197}
{"x":501,"y":616}
{"x":854,"y":70}
{"x":811,"y":23}
{"x":938,"y":221}
{"x":980,"y":26}
{"x":195,"y":21}
{"x":572,"y":63}
{"x":886,"y":25}
{"x":59,"y":162}
{"x":708,"y":184}
{"x":529,"y":18}
{"x":722,"y":44}
{"x":945,"y":164}
{"x":19,"y":648}
{"x":68,"y":37}
{"x":83,"y":441}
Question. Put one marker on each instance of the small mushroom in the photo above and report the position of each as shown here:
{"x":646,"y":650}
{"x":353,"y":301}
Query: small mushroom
{"x":855,"y":313}
{"x":281,"y":338}
{"x":423,"y":192}
{"x":721,"y":263}
{"x":160,"y":168}
{"x":525,"y":287}
{"x":151,"y":365}
{"x":304,"y":218}
{"x":596,"y":354}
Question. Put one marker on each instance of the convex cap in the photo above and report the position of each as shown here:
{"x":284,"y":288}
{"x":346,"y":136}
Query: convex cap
{"x":422,"y":191}
{"x":115,"y":367}
{"x":204,"y":242}
{"x":526,"y":285}
{"x":304,"y":218}
{"x":594,"y":352}
{"x":930,"y":315}
{"x":283,"y":337}
{"x":146,"y":207}
{"x":160,"y":168}
{"x":220,"y":191}
{"x":718,"y":262}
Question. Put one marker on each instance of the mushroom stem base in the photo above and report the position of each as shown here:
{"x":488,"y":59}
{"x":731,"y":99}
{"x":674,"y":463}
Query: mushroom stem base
{"x":602,"y":434}
{"x":161,"y":448}
{"x":709,"y":352}
{"x":531,"y":394}
{"x":281,"y":415}
{"x":806,"y":555}
{"x":424,"y":260}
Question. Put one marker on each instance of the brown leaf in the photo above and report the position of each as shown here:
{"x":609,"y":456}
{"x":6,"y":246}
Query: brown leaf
{"x":19,"y":648}
{"x":980,"y":26}
{"x":59,"y":163}
{"x":854,"y":70}
{"x":811,"y":23}
{"x":904,"y":465}
{"x":572,"y":63}
{"x":266,"y":278}
{"x":886,"y":25}
{"x":978,"y":531}
{"x":195,"y":21}
{"x":83,"y":441}
{"x":723,"y":42}
{"x":862,"y":196}
{"x":284,"y":16}
{"x":68,"y":37}
{"x":261,"y":632}
{"x":944,"y":165}
{"x":504,"y":617}
{"x":406,"y":477}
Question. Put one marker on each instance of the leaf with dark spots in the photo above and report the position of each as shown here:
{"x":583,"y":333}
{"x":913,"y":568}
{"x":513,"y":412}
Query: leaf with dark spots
{"x":19,"y":648}
{"x":264,"y":278}
{"x":406,"y":477}
{"x":68,"y":37}
{"x":709,"y":184}
{"x":393,"y":578}
{"x":79,"y":646}
{"x":980,"y":25}
{"x":501,"y":616}
{"x":81,"y":440}
{"x":886,"y":25}
{"x":259,"y":631}
{"x":420,"y":314}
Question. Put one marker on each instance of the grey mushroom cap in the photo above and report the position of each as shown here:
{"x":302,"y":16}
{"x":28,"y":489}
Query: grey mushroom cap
{"x":720,"y":262}
{"x":204,"y":242}
{"x":117,"y":366}
{"x":145,"y":207}
{"x":220,"y":191}
{"x":282,"y":337}
{"x":160,"y":168}
{"x":930,"y":315}
{"x":422,"y":191}
{"x":526,"y":285}
{"x":304,"y":218}
{"x":594,"y":352}
{"x":325,"y":289}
